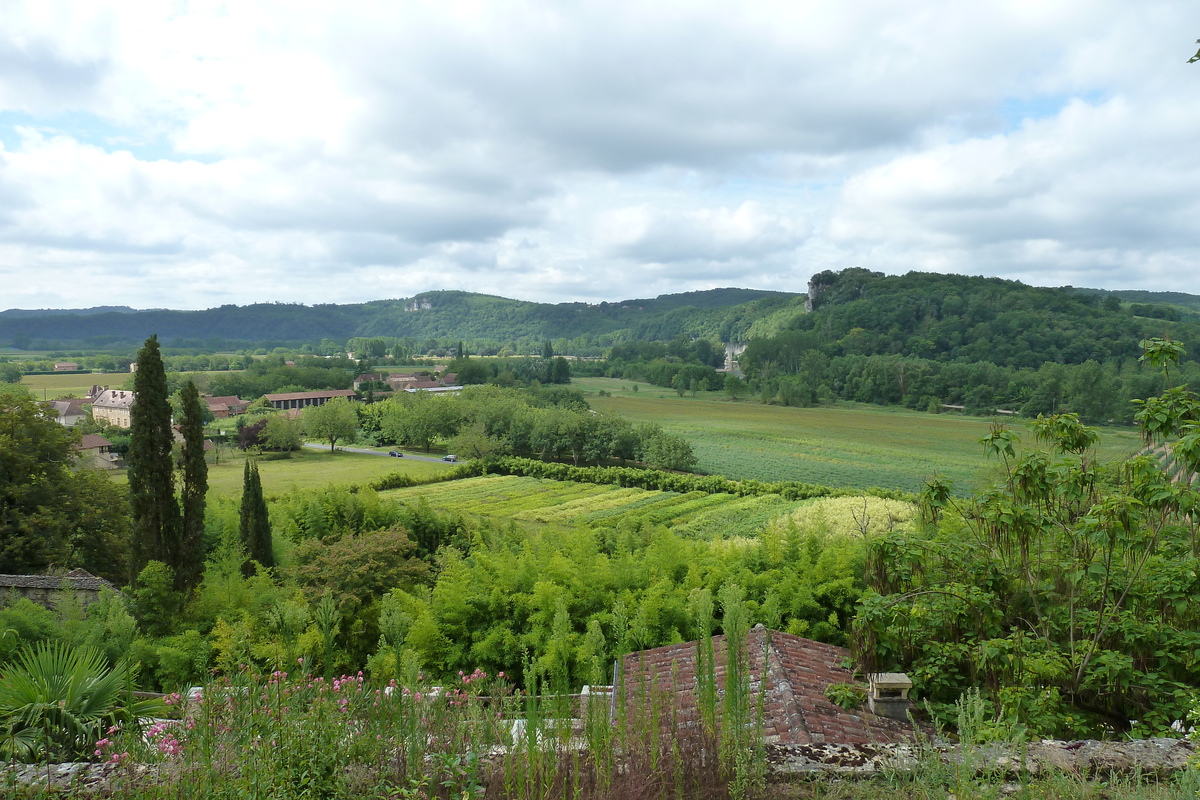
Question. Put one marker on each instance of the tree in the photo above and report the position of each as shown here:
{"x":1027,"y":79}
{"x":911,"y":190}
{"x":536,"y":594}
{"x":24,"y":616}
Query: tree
{"x":35,"y":459}
{"x":281,"y":433}
{"x":10,"y":372}
{"x":190,"y":563}
{"x":255,"y":519}
{"x":156,"y":516}
{"x":332,"y":421}
{"x":663,"y":450}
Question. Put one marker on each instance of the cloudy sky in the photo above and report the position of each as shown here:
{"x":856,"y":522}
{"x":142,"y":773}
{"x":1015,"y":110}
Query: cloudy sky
{"x":191,"y":154}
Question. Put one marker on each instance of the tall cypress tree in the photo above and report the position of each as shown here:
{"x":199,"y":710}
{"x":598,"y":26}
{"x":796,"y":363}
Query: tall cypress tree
{"x":151,"y":479}
{"x":255,"y":521}
{"x":195,"y":486}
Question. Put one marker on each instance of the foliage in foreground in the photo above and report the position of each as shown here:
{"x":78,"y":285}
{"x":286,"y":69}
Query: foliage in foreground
{"x":1070,"y":592}
{"x":56,"y":700}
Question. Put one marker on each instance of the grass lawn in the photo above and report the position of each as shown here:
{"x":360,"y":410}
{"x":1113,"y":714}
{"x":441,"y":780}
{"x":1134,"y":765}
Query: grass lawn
{"x":49,"y":387}
{"x":847,"y":445}
{"x":308,"y":469}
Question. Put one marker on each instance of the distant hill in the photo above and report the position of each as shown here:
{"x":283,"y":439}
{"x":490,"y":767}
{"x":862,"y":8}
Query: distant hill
{"x":431,"y":315}
{"x":24,"y":313}
{"x":927,"y":315}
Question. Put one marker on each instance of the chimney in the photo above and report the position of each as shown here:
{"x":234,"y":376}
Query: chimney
{"x":888,"y":695}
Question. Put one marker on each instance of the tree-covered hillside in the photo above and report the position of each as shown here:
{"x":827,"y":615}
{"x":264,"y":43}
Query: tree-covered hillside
{"x":717,"y":313}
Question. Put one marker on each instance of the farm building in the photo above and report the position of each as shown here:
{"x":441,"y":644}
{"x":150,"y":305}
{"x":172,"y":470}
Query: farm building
{"x":290,"y":400}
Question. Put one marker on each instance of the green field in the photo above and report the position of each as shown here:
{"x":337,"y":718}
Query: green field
{"x":846,"y":445}
{"x":308,"y":469}
{"x":698,"y":515}
{"x":71,"y":384}
{"x":76,"y":384}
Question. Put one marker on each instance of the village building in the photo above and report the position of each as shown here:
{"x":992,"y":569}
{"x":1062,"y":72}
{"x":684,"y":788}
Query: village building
{"x":369,"y":377}
{"x":791,"y":674}
{"x":113,"y":406}
{"x":47,"y":590}
{"x":97,"y":452}
{"x":229,"y":406}
{"x":70,"y":411}
{"x":294,"y":400}
{"x":66,"y":366}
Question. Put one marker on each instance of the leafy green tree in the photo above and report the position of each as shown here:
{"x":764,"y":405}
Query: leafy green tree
{"x":663,"y":450}
{"x":35,"y":460}
{"x":156,"y":515}
{"x":255,"y":520}
{"x":281,"y":433}
{"x":332,"y":421}
{"x":10,"y":372}
{"x":190,"y":559}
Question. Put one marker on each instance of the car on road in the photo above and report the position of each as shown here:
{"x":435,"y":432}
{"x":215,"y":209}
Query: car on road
{"x":449,"y":458}
{"x":396,"y":454}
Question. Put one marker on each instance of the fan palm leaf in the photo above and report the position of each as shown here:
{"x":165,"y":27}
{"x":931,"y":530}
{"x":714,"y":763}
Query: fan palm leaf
{"x":59,"y":698}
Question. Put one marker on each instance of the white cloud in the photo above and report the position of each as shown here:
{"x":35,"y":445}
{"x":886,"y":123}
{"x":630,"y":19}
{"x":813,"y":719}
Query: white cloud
{"x":297,"y":151}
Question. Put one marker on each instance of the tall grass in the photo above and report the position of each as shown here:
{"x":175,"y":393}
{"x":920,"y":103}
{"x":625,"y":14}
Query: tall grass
{"x":291,"y":736}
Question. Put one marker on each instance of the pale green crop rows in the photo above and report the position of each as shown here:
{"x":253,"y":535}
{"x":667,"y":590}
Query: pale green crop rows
{"x":695,"y":514}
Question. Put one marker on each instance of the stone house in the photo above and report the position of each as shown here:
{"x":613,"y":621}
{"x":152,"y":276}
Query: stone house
{"x":113,"y":406}
{"x":70,"y":411}
{"x":45,"y":590}
{"x":96,"y":451}
{"x":367,"y":377}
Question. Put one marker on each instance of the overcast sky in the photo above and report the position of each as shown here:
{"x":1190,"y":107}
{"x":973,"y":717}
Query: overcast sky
{"x":191,"y":154}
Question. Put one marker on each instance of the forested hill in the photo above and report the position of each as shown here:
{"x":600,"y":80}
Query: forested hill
{"x":716,"y":313}
{"x":972,"y":319}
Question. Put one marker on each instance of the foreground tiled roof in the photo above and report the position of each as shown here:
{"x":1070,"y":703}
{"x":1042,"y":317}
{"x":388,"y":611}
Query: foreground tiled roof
{"x":78,"y":578}
{"x":791,"y":671}
{"x":93,"y":440}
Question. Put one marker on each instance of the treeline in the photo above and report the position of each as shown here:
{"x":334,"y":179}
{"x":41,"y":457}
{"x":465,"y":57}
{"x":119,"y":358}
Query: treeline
{"x":549,"y":423}
{"x":272,"y":374}
{"x":1097,"y":392}
{"x":672,"y":482}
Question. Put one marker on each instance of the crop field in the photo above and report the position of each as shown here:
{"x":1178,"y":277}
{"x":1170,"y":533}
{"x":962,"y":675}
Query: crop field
{"x":49,"y":387}
{"x":308,"y":470}
{"x":695,"y":514}
{"x":843,"y":446}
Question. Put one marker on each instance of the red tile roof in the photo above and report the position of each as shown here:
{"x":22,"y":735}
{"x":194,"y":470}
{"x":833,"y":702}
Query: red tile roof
{"x":327,"y":393}
{"x":791,"y":671}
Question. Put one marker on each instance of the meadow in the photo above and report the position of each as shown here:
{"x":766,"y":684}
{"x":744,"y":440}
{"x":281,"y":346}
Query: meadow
{"x":306,"y":470}
{"x":78,"y":384}
{"x":844,"y":445}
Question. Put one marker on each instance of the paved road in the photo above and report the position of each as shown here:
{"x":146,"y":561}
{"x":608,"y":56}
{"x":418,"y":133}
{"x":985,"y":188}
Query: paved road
{"x":368,"y":452}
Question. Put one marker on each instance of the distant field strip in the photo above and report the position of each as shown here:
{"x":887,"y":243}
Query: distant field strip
{"x":709,"y":516}
{"x":845,"y":446}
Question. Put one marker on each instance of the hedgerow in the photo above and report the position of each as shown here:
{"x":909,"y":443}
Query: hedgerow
{"x":662,"y":481}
